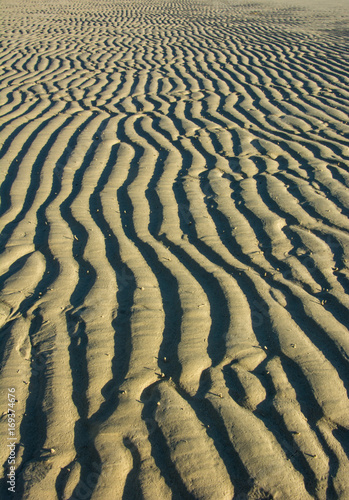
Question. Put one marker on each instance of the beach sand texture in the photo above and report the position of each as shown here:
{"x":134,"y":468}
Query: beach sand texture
{"x":174,"y":249}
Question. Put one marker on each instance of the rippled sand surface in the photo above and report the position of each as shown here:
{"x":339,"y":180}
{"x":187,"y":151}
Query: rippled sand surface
{"x":174,"y":249}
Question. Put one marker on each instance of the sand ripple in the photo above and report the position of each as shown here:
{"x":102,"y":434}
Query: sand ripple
{"x":174,"y":250}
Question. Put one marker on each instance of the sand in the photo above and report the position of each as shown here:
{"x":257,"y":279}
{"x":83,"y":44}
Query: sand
{"x":174,"y":249}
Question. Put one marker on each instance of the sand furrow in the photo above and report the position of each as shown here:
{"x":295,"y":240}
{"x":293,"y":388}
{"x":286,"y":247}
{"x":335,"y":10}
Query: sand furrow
{"x":192,"y":300}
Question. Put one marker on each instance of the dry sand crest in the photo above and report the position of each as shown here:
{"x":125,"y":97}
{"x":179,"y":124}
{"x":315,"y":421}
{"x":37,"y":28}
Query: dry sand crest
{"x":174,"y":249}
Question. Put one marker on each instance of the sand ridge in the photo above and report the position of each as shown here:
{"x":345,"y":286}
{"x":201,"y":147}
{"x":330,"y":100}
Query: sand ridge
{"x":174,"y":249}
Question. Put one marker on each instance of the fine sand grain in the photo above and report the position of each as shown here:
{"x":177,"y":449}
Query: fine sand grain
{"x":174,"y":249}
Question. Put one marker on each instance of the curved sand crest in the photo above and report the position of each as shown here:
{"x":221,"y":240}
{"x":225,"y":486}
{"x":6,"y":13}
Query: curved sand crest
{"x":174,"y":250}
